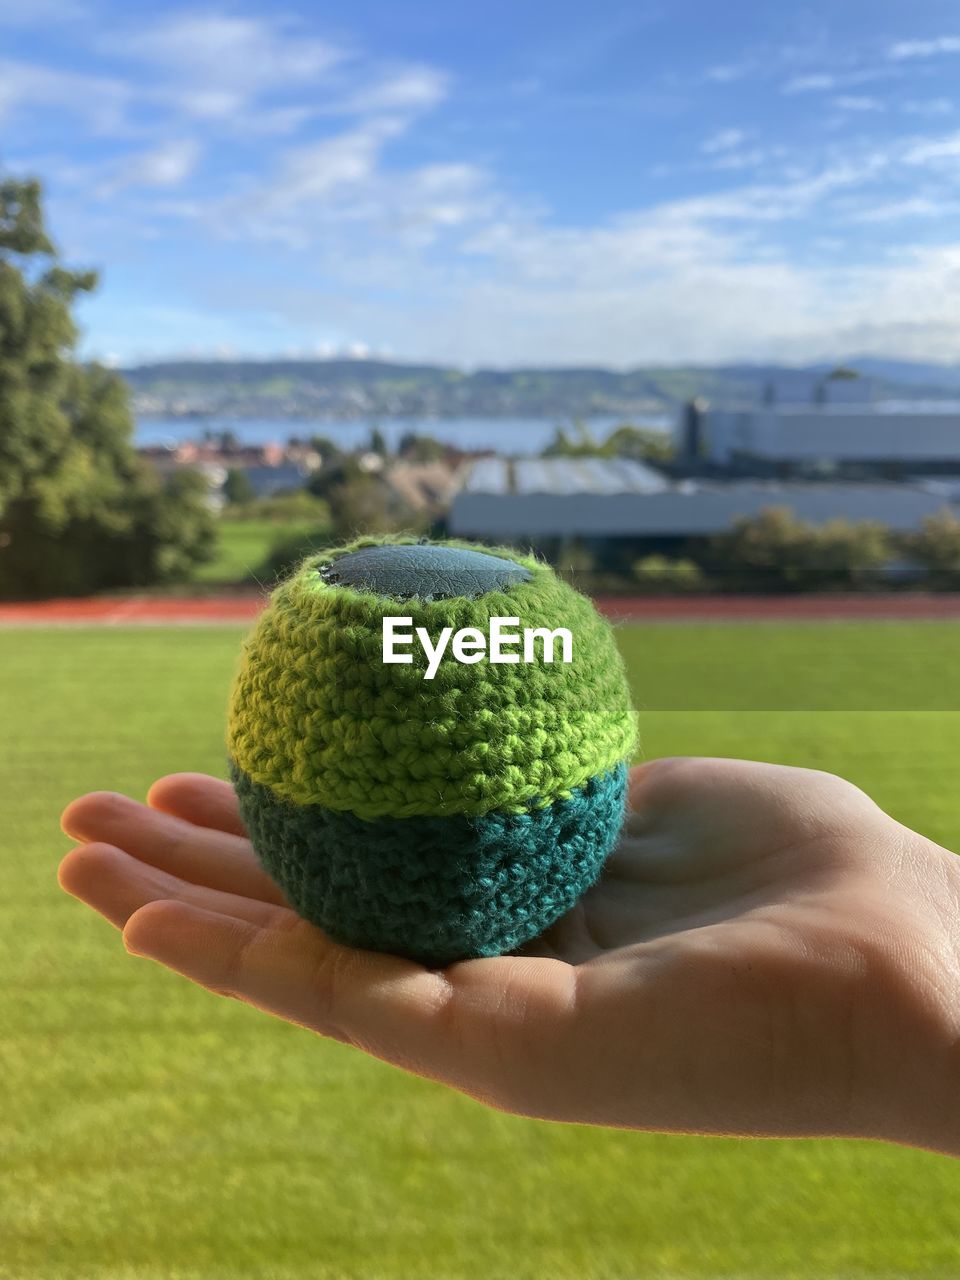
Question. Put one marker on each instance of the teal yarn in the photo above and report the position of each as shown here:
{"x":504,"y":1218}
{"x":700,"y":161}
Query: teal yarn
{"x":441,"y":818}
{"x":436,"y":889}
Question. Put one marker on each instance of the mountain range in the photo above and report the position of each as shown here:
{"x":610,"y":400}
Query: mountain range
{"x":349,"y":389}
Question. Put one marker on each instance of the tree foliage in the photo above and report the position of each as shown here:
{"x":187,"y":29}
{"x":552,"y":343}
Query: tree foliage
{"x":238,"y":488}
{"x":776,"y":551}
{"x":643,"y":443}
{"x":417,"y":448}
{"x":666,"y":575}
{"x":365,"y":503}
{"x":79,"y":511}
{"x":936,"y":546}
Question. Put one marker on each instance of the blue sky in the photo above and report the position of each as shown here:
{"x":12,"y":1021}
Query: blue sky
{"x":498,"y":183}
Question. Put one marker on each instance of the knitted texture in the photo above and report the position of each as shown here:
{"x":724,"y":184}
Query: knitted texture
{"x":444,"y":818}
{"x":318,"y":717}
{"x":436,"y":889}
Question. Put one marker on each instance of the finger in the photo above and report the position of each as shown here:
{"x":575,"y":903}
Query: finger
{"x":203,"y":856}
{"x":117,"y":885}
{"x":200,"y":799}
{"x":492,"y":1028}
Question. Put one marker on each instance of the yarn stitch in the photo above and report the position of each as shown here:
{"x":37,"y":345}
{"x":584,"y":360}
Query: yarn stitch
{"x":436,"y":889}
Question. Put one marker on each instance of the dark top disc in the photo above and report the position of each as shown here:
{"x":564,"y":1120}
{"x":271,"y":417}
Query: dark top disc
{"x":425,"y":570}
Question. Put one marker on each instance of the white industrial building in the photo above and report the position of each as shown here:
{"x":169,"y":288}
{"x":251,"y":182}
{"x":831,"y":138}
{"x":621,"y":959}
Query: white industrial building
{"x":810,"y":437}
{"x":599,"y":498}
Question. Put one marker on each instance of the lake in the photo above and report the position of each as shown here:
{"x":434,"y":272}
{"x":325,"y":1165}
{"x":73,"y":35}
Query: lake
{"x":505,"y":435}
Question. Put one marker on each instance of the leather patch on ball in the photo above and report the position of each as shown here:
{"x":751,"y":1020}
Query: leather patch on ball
{"x":423,"y":571}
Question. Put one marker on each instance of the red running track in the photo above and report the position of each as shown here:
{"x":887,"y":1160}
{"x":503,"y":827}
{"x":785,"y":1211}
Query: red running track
{"x":242,"y":609}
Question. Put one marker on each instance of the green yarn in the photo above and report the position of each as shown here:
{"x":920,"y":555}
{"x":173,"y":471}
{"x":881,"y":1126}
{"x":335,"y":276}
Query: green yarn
{"x":438,"y":819}
{"x":435,"y":889}
{"x":318,"y":717}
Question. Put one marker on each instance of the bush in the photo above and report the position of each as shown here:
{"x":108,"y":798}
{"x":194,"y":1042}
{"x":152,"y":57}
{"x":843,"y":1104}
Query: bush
{"x":237,"y":488}
{"x":643,"y":443}
{"x":289,"y":549}
{"x":775,"y":551}
{"x":416,"y":448}
{"x":159,"y":534}
{"x":661,"y":575}
{"x":283,"y":507}
{"x":366,"y":504}
{"x":626,"y":441}
{"x":936,"y":546}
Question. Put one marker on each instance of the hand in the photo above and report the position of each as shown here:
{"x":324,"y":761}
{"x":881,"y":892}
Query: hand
{"x":767,"y":953}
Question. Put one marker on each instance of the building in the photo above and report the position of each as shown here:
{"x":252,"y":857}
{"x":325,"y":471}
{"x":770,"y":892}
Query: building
{"x":270,"y":468}
{"x":608,"y":501}
{"x":797,"y":440}
{"x":537,"y":498}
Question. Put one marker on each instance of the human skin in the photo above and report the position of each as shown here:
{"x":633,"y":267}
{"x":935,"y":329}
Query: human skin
{"x":766,"y":954}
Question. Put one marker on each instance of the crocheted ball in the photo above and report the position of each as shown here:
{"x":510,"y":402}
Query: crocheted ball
{"x":438,"y":818}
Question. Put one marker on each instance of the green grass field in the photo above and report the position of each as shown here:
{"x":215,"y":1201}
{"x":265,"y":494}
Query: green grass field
{"x":149,"y":1131}
{"x":241,"y":547}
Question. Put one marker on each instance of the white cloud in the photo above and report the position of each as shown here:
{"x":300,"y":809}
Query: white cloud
{"x":814,"y":83}
{"x":167,"y":165}
{"x":38,"y":13}
{"x":728,"y":73}
{"x":334,"y":195}
{"x":904,"y":49}
{"x":850,"y":102}
{"x":933,"y":150}
{"x":692,"y":279}
{"x":716,"y":305}
{"x":262,"y":76}
{"x":828,"y":81}
{"x":723,"y":140}
{"x":102,"y":101}
{"x":751,"y":158}
{"x":318,"y":169}
{"x":900,"y":210}
{"x":231,"y":57}
{"x":413,"y":89}
{"x":929,"y":107}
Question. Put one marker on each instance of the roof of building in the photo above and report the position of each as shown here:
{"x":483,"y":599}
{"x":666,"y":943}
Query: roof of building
{"x":487,"y":507}
{"x":563,"y":476}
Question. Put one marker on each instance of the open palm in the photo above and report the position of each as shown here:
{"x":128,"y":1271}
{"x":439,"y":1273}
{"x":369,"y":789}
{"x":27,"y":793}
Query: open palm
{"x":767,"y":952}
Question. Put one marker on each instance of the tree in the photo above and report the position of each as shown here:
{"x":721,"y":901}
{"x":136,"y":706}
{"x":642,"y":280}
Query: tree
{"x":663,"y":575}
{"x":328,"y":449}
{"x":237,"y":487}
{"x":642,"y":443}
{"x":625,"y":441}
{"x":560,"y":446}
{"x":365,"y":503}
{"x":416,"y":448}
{"x":584,"y":446}
{"x":78,"y":509}
{"x":226,"y":440}
{"x":378,"y":443}
{"x":936,"y":546}
{"x":776,"y":551}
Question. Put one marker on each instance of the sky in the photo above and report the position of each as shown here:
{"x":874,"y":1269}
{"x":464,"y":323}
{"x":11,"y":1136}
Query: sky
{"x":503,"y":183}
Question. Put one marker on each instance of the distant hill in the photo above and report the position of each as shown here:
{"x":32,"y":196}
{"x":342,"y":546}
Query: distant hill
{"x":344,"y":389}
{"x":910,"y":373}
